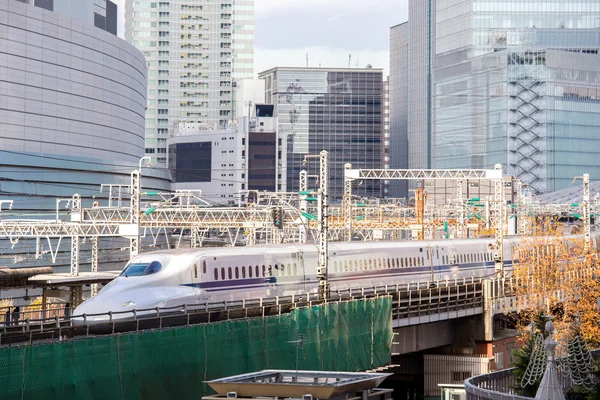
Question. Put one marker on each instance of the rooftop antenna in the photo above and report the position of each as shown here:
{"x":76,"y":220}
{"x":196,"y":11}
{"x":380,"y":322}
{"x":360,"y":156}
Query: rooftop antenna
{"x":349,"y":59}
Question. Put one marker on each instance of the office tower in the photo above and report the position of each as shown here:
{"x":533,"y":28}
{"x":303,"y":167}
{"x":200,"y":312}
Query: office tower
{"x":512,"y":82}
{"x":196,"y":51}
{"x":334,"y":109}
{"x":398,"y":108}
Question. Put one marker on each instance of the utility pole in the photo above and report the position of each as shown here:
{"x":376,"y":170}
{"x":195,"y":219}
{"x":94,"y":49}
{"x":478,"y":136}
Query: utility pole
{"x":323,"y":219}
{"x":134,"y":242}
{"x":347,"y":204}
{"x":460,"y":223}
{"x":585,"y":205}
{"x":521,"y":210}
{"x":303,"y":206}
{"x":498,"y":222}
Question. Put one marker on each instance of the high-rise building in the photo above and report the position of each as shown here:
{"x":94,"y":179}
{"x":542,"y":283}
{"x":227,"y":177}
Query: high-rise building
{"x":335,"y":109}
{"x":196,"y":51}
{"x":511,"y":82}
{"x":99,"y":13}
{"x":398,"y":109}
{"x":421,"y":31}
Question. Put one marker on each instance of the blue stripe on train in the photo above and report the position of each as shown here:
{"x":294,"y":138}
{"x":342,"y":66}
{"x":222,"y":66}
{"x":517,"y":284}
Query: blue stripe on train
{"x":251,"y":283}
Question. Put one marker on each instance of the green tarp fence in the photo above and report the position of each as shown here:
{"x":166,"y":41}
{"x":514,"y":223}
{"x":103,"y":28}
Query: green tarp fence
{"x":172,"y":363}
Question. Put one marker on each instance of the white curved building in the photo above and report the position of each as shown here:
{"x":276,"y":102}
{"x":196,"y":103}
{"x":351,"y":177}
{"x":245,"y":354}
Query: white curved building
{"x":72,"y":103}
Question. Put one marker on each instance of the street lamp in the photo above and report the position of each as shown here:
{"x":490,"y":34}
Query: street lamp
{"x":142,"y":160}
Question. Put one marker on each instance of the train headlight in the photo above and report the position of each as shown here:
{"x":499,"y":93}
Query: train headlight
{"x":128,"y":304}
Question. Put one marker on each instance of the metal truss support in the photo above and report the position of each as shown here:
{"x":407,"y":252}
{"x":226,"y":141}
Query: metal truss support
{"x":585,"y":205}
{"x":75,"y":255}
{"x":347,"y":204}
{"x":323,"y":219}
{"x":322,"y":269}
{"x":194,"y":234}
{"x":94,"y":243}
{"x":303,"y":206}
{"x":521,"y":209}
{"x":460,"y":223}
{"x":134,"y":242}
{"x":498,"y":223}
{"x":391,"y":174}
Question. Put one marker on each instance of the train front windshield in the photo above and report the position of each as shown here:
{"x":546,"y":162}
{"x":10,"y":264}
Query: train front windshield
{"x":141,"y":269}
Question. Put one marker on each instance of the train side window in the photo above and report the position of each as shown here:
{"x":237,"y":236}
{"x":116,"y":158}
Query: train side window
{"x":195,"y":270}
{"x":295,"y":270}
{"x":370,"y":264}
{"x":249,"y":271}
{"x":402,"y":262}
{"x":437,"y":251}
{"x":237,"y":273}
{"x":229,"y":273}
{"x":360,"y":264}
{"x":356,"y":265}
{"x":223,"y":274}
{"x":257,"y":271}
{"x":397,"y":263}
{"x":393,"y":263}
{"x":203,"y":266}
{"x":289,"y":270}
{"x":216,"y":274}
{"x":264,"y":271}
{"x":243,"y":272}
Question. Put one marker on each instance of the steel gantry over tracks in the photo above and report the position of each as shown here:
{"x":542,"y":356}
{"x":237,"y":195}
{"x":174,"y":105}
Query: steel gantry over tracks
{"x":495,"y":175}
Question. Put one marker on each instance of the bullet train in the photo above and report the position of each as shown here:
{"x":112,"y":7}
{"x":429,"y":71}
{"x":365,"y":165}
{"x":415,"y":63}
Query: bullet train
{"x":189,"y":276}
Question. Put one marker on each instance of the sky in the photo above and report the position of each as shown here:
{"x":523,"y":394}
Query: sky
{"x":328,"y":30}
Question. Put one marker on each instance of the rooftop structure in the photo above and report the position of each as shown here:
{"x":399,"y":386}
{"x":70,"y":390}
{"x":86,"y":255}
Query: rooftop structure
{"x":297,"y":384}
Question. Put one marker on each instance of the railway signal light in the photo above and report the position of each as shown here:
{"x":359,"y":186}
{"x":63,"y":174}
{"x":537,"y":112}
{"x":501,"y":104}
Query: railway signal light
{"x":277,"y":214}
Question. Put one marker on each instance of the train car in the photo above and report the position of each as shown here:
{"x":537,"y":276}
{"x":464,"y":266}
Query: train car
{"x":172,"y":278}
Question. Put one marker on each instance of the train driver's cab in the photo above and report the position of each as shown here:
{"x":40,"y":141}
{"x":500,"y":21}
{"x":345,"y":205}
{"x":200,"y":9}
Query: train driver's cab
{"x":141,"y":269}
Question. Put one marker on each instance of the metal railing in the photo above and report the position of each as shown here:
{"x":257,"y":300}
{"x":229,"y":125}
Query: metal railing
{"x":409,"y":300}
{"x":500,"y":385}
{"x":494,"y":386}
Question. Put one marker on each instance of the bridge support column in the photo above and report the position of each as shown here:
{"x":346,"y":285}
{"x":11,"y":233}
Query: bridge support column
{"x":488,"y":315}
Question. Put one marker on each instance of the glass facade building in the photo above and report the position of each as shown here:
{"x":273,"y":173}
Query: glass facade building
{"x":196,"y":51}
{"x":515,"y":82}
{"x":518,"y":83}
{"x":338,"y":110}
{"x":398,"y":95}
